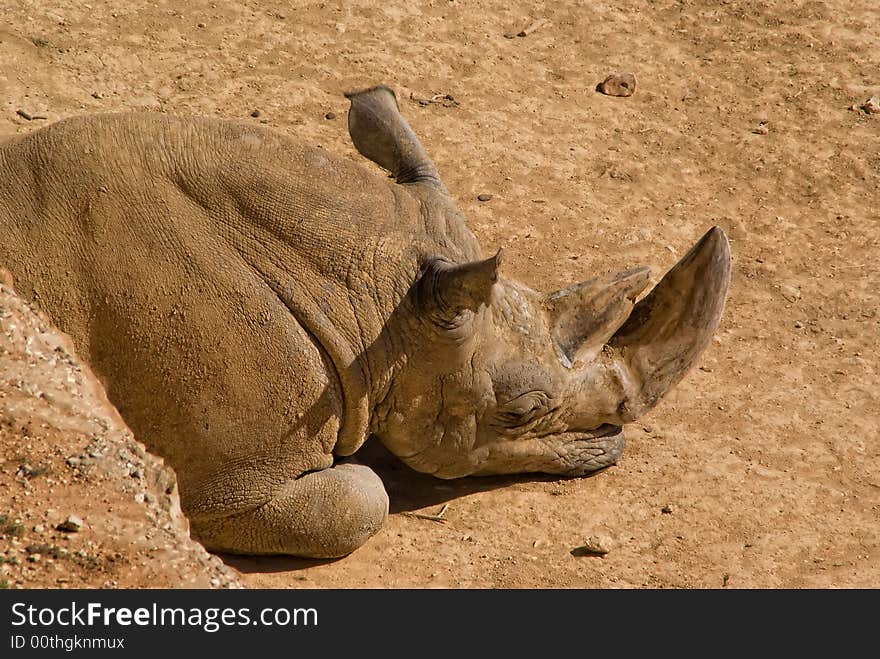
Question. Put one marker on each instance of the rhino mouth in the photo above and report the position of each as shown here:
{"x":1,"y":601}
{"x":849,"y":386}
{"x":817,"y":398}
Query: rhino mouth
{"x":593,"y":450}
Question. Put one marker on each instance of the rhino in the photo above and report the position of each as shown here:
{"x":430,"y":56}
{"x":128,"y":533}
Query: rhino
{"x":256,"y":308}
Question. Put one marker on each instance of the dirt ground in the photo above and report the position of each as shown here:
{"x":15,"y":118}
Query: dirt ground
{"x":766,"y":458}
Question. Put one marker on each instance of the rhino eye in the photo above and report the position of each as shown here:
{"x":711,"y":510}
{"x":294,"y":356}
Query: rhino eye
{"x":524,"y":408}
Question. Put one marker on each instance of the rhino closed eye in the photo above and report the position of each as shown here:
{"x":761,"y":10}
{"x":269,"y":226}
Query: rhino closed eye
{"x":524,"y":408}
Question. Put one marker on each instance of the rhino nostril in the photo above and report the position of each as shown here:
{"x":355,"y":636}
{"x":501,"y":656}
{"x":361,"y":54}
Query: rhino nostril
{"x":605,"y":430}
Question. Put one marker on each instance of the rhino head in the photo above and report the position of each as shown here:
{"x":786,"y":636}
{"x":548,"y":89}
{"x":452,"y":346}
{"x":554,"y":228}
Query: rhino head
{"x":504,"y":379}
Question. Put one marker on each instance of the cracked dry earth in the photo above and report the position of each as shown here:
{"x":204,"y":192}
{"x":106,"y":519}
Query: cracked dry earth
{"x":761,"y":469}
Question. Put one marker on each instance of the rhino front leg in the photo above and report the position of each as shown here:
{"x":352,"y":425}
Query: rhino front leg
{"x":322,"y":514}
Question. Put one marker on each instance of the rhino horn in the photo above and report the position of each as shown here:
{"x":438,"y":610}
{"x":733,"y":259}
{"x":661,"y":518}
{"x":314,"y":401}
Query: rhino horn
{"x":584,"y":316}
{"x":380,"y":133}
{"x":447,"y":289}
{"x":669,"y":328}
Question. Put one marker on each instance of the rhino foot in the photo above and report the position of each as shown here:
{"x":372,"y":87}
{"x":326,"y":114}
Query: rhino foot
{"x":322,"y":514}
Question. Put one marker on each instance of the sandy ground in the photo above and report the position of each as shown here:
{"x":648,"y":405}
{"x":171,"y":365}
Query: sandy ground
{"x":745,"y":115}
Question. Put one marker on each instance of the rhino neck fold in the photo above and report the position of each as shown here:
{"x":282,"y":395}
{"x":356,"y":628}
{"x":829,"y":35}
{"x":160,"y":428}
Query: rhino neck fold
{"x":351,"y":377}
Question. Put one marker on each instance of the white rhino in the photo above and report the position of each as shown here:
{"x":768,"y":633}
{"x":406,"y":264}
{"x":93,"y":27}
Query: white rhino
{"x":256,"y":308}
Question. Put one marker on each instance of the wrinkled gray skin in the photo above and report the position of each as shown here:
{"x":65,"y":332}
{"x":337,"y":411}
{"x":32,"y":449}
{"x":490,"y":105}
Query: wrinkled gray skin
{"x":256,"y":308}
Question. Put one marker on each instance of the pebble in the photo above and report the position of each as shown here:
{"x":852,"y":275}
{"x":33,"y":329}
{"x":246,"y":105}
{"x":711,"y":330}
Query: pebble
{"x":667,"y":509}
{"x":762,"y":129}
{"x":872,"y":105}
{"x":596,"y":545}
{"x":39,"y":528}
{"x":330,"y":116}
{"x":798,"y":324}
{"x":72,"y":524}
{"x":484,"y":197}
{"x":136,"y":473}
{"x":618,"y":84}
{"x":255,"y":114}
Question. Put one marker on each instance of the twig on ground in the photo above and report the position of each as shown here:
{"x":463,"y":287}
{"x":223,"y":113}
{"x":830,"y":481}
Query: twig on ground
{"x":431,"y":518}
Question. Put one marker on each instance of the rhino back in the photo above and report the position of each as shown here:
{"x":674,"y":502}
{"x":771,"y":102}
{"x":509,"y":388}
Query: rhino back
{"x":163,"y":246}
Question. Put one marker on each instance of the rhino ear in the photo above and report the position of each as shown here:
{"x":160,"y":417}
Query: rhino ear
{"x":380,"y":133}
{"x":584,"y":316}
{"x":446,"y":290}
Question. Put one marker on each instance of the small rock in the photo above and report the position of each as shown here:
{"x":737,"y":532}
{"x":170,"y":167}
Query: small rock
{"x":136,"y":473}
{"x":264,"y":121}
{"x":200,"y":25}
{"x":34,"y":558}
{"x":72,"y":524}
{"x":255,"y":114}
{"x":667,"y":509}
{"x":510,"y":35}
{"x":97,"y":95}
{"x":618,"y":84}
{"x":596,"y":545}
{"x":39,"y":528}
{"x":648,"y":429}
{"x":484,"y":197}
{"x":872,"y":105}
{"x":330,"y":116}
{"x":762,"y":129}
{"x":798,"y":324}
